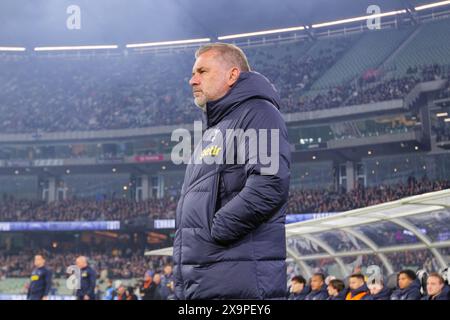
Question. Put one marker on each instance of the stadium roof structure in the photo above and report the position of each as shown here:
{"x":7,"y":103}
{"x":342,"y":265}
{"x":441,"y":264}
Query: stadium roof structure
{"x":413,"y":223}
{"x":160,"y":252}
{"x":140,"y":22}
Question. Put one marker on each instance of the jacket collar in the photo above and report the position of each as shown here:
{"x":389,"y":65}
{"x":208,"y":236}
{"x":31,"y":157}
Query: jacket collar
{"x":248,"y":86}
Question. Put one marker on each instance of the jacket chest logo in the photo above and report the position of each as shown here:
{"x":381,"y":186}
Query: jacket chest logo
{"x":210,"y":152}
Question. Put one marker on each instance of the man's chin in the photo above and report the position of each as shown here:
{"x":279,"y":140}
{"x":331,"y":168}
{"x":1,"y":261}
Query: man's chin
{"x":200,"y":104}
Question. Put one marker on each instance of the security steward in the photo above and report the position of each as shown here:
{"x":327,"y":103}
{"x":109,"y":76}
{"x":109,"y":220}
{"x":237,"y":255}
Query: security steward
{"x":41,"y":280}
{"x":88,"y":280}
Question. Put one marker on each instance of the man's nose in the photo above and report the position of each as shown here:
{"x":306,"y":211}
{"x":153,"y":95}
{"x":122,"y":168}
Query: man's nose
{"x":194,"y":80}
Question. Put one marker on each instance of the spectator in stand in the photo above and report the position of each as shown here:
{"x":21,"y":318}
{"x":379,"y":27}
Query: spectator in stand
{"x":149,"y":290}
{"x":167,"y":282}
{"x":130,"y":295}
{"x":121,"y":293}
{"x":110,"y":292}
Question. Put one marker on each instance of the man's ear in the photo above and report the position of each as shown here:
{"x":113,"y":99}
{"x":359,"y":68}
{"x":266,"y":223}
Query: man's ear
{"x":233,"y":76}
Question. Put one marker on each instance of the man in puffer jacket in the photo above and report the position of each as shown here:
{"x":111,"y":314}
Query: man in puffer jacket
{"x":230,"y":220}
{"x":319,"y":290}
{"x":436,"y":288}
{"x":380,"y":291}
{"x":336,"y":290}
{"x":358,"y":289}
{"x":408,"y":286}
{"x":298,"y":289}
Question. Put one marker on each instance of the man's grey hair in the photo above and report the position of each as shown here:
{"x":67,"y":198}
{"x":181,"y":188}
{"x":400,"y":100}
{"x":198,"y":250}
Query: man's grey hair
{"x":229,"y":52}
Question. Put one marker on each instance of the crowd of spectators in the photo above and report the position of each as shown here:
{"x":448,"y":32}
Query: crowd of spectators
{"x":133,"y":91}
{"x":293,"y":71}
{"x":317,"y":201}
{"x":300,"y":201}
{"x":383,"y":88}
{"x":95,"y":93}
{"x":86,"y":209}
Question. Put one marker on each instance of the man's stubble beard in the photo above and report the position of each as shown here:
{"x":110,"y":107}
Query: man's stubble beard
{"x":200,"y":104}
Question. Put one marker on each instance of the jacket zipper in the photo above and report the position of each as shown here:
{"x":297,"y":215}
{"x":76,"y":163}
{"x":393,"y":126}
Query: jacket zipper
{"x":214,"y":199}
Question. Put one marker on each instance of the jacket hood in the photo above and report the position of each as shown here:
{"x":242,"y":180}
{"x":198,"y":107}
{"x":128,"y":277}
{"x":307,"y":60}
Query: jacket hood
{"x":415,"y":285}
{"x":249,"y":85}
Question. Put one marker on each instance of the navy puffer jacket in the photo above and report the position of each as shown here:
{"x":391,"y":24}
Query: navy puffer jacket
{"x":361,"y":289}
{"x":412,"y":292}
{"x":384,"y":294}
{"x":321,"y":294}
{"x":230,"y":220}
{"x":444,"y":295}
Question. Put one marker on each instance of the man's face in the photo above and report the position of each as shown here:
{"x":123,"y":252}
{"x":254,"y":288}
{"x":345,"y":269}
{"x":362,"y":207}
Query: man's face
{"x":332,"y":291}
{"x":355,"y":283}
{"x":403,"y":281}
{"x":375,"y":288}
{"x":434,"y":286}
{"x":39,"y":261}
{"x":168,"y":270}
{"x":157,"y":279}
{"x":296,"y":287}
{"x":210,"y":78}
{"x":81,"y":263}
{"x":147,"y":277}
{"x":316,"y":283}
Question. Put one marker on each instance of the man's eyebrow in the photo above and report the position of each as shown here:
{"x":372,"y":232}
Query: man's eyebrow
{"x":198,"y":69}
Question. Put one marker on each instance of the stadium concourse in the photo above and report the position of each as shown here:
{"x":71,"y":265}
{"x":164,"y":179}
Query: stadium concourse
{"x":86,"y":145}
